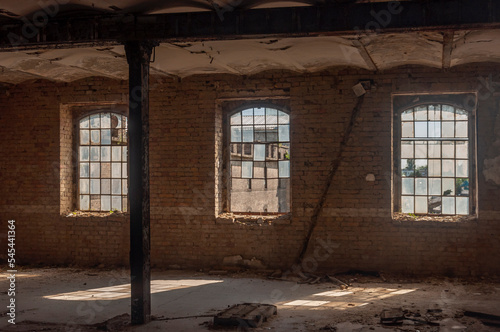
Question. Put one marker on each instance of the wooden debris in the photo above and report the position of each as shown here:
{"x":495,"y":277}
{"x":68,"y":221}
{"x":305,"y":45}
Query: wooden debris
{"x":486,"y":319}
{"x":246,"y":314}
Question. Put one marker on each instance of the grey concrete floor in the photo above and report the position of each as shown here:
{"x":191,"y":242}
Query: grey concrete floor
{"x":66,"y":299}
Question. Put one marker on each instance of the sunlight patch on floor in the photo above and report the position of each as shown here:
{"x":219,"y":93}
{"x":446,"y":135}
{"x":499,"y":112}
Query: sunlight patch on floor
{"x":123,"y":291}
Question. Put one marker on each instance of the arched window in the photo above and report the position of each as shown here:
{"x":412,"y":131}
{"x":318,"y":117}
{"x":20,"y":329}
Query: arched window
{"x":260,"y":161}
{"x":435,"y":160}
{"x":102,"y":167}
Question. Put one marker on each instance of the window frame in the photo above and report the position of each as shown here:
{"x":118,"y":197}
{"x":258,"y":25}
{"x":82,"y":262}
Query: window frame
{"x":464,"y":101}
{"x":76,"y":176}
{"x":226,"y":141}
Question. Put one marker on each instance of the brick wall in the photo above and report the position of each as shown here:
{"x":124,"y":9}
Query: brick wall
{"x":187,"y":186}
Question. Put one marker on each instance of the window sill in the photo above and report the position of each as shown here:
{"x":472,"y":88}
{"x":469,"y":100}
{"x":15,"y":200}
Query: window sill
{"x":85,"y":214}
{"x":425,"y":220}
{"x":254,"y":220}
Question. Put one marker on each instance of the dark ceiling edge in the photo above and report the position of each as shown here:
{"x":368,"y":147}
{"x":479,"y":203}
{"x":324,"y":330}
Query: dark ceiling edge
{"x":330,"y":19}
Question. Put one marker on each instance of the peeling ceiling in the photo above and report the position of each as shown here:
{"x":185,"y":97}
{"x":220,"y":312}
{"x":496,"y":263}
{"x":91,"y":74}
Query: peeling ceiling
{"x":250,"y":56}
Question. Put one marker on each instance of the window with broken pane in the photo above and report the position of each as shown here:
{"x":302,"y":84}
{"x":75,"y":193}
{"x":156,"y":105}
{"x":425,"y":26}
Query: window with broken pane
{"x":434,"y":154}
{"x":102,"y":162}
{"x":259,"y":146}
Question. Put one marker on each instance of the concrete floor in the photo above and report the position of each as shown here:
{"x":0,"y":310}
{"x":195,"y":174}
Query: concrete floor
{"x":66,"y":299}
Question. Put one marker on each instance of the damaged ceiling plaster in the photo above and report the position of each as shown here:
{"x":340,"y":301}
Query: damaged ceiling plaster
{"x":249,"y":56}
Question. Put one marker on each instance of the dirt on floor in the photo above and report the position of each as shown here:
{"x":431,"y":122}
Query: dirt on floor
{"x":350,"y":302}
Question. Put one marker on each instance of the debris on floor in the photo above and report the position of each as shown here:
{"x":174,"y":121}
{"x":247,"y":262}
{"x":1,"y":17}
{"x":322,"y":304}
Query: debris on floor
{"x":245,"y":315}
{"x":485,"y":318}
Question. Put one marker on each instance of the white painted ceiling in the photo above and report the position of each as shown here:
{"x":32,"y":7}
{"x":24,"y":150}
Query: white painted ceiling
{"x":249,"y":56}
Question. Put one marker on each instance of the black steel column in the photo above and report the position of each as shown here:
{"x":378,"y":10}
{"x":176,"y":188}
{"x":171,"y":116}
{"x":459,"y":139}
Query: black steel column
{"x":138,"y":57}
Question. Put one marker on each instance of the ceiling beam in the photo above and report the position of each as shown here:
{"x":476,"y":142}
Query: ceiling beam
{"x":448,"y":37}
{"x":323,"y":19}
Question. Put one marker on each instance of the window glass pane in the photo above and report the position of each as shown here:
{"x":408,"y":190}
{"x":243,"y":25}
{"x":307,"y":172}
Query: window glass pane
{"x":448,"y":149}
{"x":283,"y":118}
{"x":434,"y":204}
{"x":434,"y":112}
{"x":84,"y":153}
{"x":462,"y":187}
{"x":124,"y":204}
{"x":421,"y":113}
{"x":235,"y":134}
{"x":407,"y":149}
{"x":124,"y":170}
{"x":420,"y":129}
{"x":448,"y":129}
{"x":462,"y":205}
{"x":407,"y":204}
{"x":94,"y":153}
{"x":448,"y":112}
{"x":105,"y":186}
{"x":421,"y":167}
{"x":105,"y":153}
{"x":124,"y":153}
{"x":236,"y":119}
{"x":106,"y":136}
{"x":407,"y":115}
{"x":236,"y":169}
{"x":105,"y":120}
{"x":462,"y":170}
{"x":462,"y":149}
{"x":84,"y":123}
{"x":448,"y":205}
{"x":434,"y":149}
{"x":461,"y":114}
{"x":421,"y":204}
{"x":407,"y":167}
{"x":259,"y":152}
{"x":420,"y":149}
{"x":448,"y":168}
{"x":84,"y":170}
{"x":95,"y":186}
{"x":435,"y":187}
{"x":246,"y":169}
{"x":105,"y":203}
{"x":95,"y":170}
{"x":272,"y":170}
{"x":271,"y":116}
{"x":84,"y":202}
{"x":116,"y":203}
{"x":106,"y":170}
{"x":116,"y":187}
{"x":421,"y":186}
{"x":84,"y":186}
{"x":95,"y":121}
{"x":116,"y":170}
{"x":434,"y":129}
{"x":95,"y":137}
{"x":259,"y":170}
{"x":95,"y":202}
{"x":116,"y":153}
{"x":247,"y":134}
{"x":461,"y":129}
{"x":407,"y":129}
{"x":284,"y":133}
{"x":248,"y":114}
{"x":448,"y":187}
{"x":434,"y":167}
{"x":284,"y":169}
{"x":260,"y":133}
{"x":259,"y":112}
{"x":271,"y":133}
{"x":407,"y":186}
{"x":124,"y":187}
{"x":84,"y":137}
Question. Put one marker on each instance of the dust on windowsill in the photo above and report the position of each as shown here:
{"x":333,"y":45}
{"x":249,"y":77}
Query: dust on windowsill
{"x":96,"y":214}
{"x":405,"y":217}
{"x":254,"y":219}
